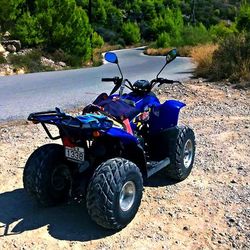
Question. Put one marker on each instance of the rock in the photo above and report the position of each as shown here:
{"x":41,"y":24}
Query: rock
{"x":11,"y":48}
{"x":47,"y":62}
{"x":20,"y":71}
{"x":24,"y":52}
{"x":6,"y":34}
{"x":5,"y":54}
{"x":2,"y":49}
{"x":186,"y":228}
{"x":15,"y":43}
{"x":7,"y":69}
{"x":62,"y":64}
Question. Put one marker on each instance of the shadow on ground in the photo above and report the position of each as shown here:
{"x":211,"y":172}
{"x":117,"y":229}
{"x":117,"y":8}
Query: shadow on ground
{"x":160,"y":180}
{"x":19,"y":213}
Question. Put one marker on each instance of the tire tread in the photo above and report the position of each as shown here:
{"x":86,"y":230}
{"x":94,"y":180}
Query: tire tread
{"x":175,"y":170}
{"x":104,"y":184}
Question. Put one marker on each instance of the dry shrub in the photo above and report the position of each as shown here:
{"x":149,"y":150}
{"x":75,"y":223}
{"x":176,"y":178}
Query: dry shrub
{"x":182,"y":51}
{"x":185,"y":50}
{"x":232,"y":60}
{"x":157,"y":52}
{"x":203,"y":57}
{"x":97,"y":54}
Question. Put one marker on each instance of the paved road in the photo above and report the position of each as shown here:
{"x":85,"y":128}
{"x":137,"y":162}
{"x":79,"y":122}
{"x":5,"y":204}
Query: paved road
{"x":23,"y":94}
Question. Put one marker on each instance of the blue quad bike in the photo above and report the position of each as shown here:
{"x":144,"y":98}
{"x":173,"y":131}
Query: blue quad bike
{"x":109,"y":151}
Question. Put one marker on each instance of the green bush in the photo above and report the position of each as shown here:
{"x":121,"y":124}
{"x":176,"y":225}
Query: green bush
{"x":58,"y":56}
{"x":221,"y":31}
{"x":2,"y":59}
{"x":131,"y":33}
{"x":171,"y":22}
{"x":107,"y":34}
{"x":243,"y":18}
{"x":74,"y":60}
{"x":97,"y":40}
{"x":163,"y":40}
{"x":194,"y":35}
{"x":31,"y":62}
{"x":121,"y":42}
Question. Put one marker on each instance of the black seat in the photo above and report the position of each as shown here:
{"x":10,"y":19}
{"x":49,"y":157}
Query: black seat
{"x":119,"y":109}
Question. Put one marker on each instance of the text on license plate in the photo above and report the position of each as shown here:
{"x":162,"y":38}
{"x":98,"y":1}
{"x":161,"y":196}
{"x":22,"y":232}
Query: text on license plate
{"x":75,"y":153}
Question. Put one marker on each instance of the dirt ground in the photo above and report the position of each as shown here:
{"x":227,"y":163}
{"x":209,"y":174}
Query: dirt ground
{"x":208,"y":210}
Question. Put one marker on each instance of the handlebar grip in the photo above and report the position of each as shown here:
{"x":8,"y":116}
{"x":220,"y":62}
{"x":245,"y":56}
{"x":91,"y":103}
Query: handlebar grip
{"x":108,"y":79}
{"x":168,"y":81}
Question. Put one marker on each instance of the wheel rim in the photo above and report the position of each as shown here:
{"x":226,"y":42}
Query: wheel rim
{"x":127,"y":196}
{"x":188,"y":153}
{"x":60,"y":177}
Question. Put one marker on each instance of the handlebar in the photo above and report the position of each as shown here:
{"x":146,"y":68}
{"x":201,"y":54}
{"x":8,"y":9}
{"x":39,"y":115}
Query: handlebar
{"x":162,"y":81}
{"x":113,"y":79}
{"x":120,"y":83}
{"x":107,"y":79}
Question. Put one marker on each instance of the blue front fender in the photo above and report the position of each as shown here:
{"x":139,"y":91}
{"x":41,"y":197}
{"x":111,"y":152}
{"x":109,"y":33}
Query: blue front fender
{"x":165,"y":115}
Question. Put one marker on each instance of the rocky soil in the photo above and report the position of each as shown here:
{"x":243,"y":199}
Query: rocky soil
{"x":208,"y":210}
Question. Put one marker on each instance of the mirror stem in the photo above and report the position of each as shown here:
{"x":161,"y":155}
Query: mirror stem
{"x":161,"y":70}
{"x":120,"y":70}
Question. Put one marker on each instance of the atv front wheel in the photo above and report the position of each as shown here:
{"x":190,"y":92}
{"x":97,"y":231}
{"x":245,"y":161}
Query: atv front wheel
{"x":114,"y":193}
{"x":182,"y":156}
{"x":47,"y":176}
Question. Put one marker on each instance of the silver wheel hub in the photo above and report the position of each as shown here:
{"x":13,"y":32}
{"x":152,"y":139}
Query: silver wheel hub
{"x":188,"y":153}
{"x":127,"y":196}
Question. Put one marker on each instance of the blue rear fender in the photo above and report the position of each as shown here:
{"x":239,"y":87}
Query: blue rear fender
{"x":165,"y":115}
{"x":125,"y":137}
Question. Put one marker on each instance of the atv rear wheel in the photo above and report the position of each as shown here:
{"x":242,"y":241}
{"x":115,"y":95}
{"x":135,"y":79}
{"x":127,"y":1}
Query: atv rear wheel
{"x":47,"y":176}
{"x":114,"y":193}
{"x":182,"y":156}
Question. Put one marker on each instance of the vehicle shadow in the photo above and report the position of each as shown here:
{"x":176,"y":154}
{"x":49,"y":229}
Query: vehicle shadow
{"x":159,"y":180}
{"x":19,"y":213}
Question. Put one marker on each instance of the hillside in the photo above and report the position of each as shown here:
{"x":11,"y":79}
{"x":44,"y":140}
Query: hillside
{"x":77,"y":26}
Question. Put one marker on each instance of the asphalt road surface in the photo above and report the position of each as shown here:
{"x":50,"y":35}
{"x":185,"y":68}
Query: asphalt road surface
{"x":23,"y":94}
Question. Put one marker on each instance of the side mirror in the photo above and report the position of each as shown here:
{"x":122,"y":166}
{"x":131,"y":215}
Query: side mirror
{"x":111,"y":57}
{"x":171,"y":55}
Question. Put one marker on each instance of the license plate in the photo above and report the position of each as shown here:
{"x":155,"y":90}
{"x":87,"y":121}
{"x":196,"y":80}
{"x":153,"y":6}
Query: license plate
{"x":74,"y":154}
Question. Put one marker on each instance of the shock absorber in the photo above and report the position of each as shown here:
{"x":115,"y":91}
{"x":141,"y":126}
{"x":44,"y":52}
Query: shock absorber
{"x":122,"y":87}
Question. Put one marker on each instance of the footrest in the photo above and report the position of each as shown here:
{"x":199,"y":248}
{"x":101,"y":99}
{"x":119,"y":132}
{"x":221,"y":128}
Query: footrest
{"x":155,"y":166}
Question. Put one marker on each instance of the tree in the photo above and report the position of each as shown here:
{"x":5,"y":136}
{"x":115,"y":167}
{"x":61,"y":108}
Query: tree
{"x":243,"y":18}
{"x":56,"y":24}
{"x":9,"y":11}
{"x":131,"y":33}
{"x":27,"y":30}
